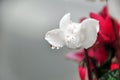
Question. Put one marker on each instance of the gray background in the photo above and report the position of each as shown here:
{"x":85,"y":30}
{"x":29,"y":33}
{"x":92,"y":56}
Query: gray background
{"x":24,"y":54}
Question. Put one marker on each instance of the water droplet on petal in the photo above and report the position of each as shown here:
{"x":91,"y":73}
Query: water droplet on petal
{"x":58,"y":47}
{"x":52,"y":47}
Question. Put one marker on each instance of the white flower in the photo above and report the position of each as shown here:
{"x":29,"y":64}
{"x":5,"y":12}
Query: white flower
{"x":73,"y":35}
{"x":114,"y":9}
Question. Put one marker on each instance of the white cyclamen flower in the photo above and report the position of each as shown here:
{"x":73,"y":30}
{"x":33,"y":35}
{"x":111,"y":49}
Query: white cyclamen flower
{"x":114,"y":9}
{"x":73,"y":35}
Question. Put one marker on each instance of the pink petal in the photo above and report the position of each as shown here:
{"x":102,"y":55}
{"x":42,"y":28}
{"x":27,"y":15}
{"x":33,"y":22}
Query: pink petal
{"x":76,"y":56}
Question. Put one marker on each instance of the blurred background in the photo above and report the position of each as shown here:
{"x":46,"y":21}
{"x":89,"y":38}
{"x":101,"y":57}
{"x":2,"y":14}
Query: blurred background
{"x":24,"y":54}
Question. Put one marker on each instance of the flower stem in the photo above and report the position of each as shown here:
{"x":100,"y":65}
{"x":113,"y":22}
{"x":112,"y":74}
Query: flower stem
{"x":88,"y":64}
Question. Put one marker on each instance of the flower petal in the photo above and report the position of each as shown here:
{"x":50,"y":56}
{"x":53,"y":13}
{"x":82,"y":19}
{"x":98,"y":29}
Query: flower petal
{"x":99,"y":53}
{"x":90,"y":28}
{"x":98,"y":17}
{"x":55,"y":37}
{"x":76,"y":56}
{"x":83,"y":73}
{"x":114,"y":66}
{"x":73,"y":38}
{"x":65,"y":21}
{"x":104,"y":12}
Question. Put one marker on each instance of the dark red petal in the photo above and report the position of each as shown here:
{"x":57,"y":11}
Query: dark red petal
{"x":82,"y":19}
{"x":99,"y":53}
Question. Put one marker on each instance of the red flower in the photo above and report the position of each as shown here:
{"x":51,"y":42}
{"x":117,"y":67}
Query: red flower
{"x":106,"y":33}
{"x":99,"y":54}
{"x":83,"y":73}
{"x":114,"y":66}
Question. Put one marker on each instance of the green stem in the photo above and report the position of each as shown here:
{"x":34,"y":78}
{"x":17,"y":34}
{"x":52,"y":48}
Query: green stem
{"x":88,"y":64}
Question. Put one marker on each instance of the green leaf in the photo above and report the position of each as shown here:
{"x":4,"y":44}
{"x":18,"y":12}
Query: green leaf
{"x":111,"y":75}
